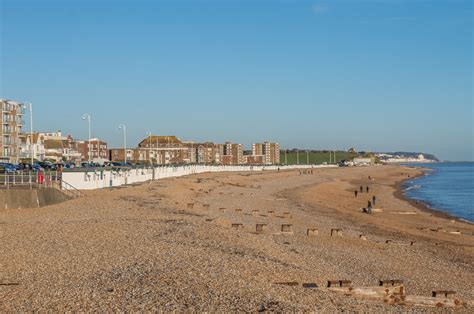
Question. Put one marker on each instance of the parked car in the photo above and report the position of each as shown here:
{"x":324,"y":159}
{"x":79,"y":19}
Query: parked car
{"x":7,"y":168}
{"x":46,"y":165}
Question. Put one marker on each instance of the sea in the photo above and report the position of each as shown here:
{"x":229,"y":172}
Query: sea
{"x":446,"y":187}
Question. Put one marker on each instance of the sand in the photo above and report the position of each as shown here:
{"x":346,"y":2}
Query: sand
{"x":144,"y":248}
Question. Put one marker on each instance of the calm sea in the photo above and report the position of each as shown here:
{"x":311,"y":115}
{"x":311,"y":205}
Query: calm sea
{"x":448,"y":187}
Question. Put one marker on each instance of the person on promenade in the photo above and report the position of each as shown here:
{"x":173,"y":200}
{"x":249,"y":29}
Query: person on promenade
{"x":355,"y":193}
{"x":367,"y":189}
{"x":373,"y":199}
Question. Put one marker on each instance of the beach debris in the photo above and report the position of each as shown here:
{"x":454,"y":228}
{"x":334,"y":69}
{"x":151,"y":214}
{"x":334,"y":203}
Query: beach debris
{"x":206,"y":206}
{"x":404,"y":213}
{"x":287,"y":228}
{"x":222,"y":209}
{"x":261,"y":227}
{"x":363,"y":237}
{"x":7,"y":284}
{"x":431,"y":301}
{"x":336,"y":232}
{"x":287,"y":283}
{"x":310,"y":285}
{"x":388,"y":241}
{"x":455,"y":232}
{"x":238,"y":210}
{"x":312,"y":232}
{"x":263,"y":215}
{"x":190,"y":205}
{"x":339,"y":283}
{"x":209,"y":219}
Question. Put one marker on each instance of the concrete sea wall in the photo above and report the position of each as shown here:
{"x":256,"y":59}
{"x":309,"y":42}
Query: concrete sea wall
{"x":34,"y":198}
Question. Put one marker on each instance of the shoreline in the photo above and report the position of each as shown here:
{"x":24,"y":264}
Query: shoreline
{"x":421,"y":205}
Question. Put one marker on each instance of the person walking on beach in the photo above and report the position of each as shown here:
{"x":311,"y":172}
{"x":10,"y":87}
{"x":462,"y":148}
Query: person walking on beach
{"x":361,"y":189}
{"x":367,"y":189}
{"x":373,"y":199}
{"x":355,"y":193}
{"x":369,"y":207}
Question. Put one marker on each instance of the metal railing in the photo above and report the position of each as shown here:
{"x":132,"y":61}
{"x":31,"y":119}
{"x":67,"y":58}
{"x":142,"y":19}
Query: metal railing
{"x":38,"y":180}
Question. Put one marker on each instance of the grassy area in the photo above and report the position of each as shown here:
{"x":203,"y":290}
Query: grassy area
{"x":315,"y":157}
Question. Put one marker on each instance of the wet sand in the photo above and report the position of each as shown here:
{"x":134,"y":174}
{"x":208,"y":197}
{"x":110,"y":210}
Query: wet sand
{"x":146,"y":248}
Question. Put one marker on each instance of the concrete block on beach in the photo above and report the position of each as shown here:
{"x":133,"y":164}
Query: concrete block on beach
{"x":390,"y":282}
{"x":339,"y":283}
{"x":336,"y":232}
{"x":287,"y":228}
{"x":443,"y":294}
{"x":237,"y":226}
{"x":312,"y":232}
{"x":261,"y":228}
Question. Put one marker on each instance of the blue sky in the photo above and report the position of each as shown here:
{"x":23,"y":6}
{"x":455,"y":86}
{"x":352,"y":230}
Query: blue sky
{"x":384,"y":75}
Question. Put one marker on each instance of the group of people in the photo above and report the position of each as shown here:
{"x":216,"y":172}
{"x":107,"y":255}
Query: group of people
{"x":369,"y":203}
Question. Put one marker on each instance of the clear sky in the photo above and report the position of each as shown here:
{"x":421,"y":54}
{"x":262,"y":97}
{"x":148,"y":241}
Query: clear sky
{"x":384,"y":75}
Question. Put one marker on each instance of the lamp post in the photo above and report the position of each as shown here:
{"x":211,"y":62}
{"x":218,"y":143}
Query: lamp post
{"x":87,"y":117}
{"x":297,"y":157}
{"x":307,"y":157}
{"x":149,"y":146}
{"x":32,"y":148}
{"x":124,"y":128}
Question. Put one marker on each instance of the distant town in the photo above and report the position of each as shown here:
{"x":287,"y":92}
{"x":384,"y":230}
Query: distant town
{"x":55,"y":147}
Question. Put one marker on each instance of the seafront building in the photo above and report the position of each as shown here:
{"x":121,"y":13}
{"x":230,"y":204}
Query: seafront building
{"x":159,"y":150}
{"x":268,"y":153}
{"x":164,"y":150}
{"x":95,"y":149}
{"x":12,"y":123}
{"x":56,"y":147}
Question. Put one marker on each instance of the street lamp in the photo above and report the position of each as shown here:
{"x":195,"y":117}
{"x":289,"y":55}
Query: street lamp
{"x":124,"y":128}
{"x":32,"y":148}
{"x":87,"y":117}
{"x":149,"y":146}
